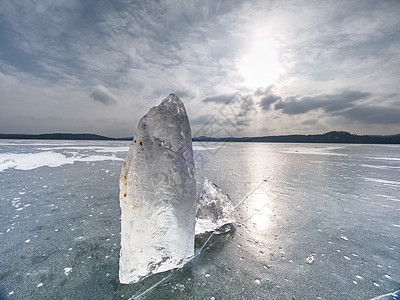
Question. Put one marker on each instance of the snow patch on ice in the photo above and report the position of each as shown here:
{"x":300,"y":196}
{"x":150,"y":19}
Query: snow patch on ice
{"x":384,"y":196}
{"x":67,"y":271}
{"x":310,"y":259}
{"x":29,"y":161}
{"x":393,"y":199}
{"x":99,"y":149}
{"x":379,"y":167}
{"x":386,"y":158}
{"x":390,"y":182}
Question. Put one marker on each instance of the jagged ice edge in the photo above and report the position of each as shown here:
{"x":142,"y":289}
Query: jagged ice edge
{"x":137,"y":297}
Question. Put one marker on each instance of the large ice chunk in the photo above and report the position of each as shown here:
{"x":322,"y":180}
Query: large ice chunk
{"x":214,"y":209}
{"x":158,"y":194}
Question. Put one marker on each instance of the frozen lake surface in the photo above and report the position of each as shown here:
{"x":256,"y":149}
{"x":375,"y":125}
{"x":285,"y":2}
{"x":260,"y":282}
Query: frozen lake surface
{"x":315,"y":221}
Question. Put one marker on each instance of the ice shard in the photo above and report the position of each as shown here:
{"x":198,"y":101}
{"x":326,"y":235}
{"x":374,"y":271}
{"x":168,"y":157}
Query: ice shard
{"x":214,"y":209}
{"x":158,"y":194}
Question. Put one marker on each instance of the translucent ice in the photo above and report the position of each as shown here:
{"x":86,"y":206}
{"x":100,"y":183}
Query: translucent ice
{"x":214,"y":209}
{"x":158,"y":194}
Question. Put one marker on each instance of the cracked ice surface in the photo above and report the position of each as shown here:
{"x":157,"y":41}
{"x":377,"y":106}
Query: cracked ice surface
{"x":158,"y":194}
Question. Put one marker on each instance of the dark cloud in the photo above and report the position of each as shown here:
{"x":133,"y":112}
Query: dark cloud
{"x":266,"y":101}
{"x":237,"y":101}
{"x":373,"y":115}
{"x":328,"y":103}
{"x":344,"y":100}
{"x":102,"y":94}
{"x":267,"y":97}
{"x":261,"y":92}
{"x":296,"y":106}
{"x":235,"y":111}
{"x":246,"y":103}
{"x":348,"y":104}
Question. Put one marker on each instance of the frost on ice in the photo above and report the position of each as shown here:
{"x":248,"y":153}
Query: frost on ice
{"x":214,"y":209}
{"x":158,"y":194}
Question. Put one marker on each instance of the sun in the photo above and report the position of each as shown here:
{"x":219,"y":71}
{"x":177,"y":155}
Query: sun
{"x":260,"y":67}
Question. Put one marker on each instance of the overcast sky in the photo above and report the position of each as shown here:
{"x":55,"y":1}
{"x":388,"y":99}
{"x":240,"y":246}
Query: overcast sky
{"x":242,"y":68}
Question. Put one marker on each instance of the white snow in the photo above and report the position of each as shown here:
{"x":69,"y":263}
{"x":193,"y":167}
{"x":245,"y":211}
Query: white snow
{"x":386,"y":158}
{"x":310,"y":259}
{"x":99,"y":149}
{"x":67,"y":271}
{"x":379,"y":167}
{"x":29,"y":161}
{"x":389,"y":182}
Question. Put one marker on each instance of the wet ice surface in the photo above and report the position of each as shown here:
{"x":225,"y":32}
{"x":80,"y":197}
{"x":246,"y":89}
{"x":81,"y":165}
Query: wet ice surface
{"x":324,"y":225}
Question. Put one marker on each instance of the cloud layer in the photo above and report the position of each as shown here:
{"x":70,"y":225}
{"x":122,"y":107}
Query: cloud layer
{"x":102,"y":94}
{"x":98,"y":66}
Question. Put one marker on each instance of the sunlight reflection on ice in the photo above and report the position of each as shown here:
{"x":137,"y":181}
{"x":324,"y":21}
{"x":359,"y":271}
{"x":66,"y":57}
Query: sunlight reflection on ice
{"x":261,"y":221}
{"x":258,"y":212}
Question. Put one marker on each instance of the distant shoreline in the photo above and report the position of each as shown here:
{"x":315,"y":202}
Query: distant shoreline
{"x":329,"y":137}
{"x":62,"y":136}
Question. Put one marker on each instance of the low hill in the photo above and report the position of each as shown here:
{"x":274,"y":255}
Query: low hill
{"x":329,"y":137}
{"x":56,"y":136}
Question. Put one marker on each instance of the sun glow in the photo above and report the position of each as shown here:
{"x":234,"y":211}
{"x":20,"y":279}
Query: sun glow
{"x":260,"y":67}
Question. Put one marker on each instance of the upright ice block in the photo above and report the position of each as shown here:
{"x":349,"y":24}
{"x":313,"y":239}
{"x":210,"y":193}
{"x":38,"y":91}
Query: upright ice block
{"x":158,"y":195}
